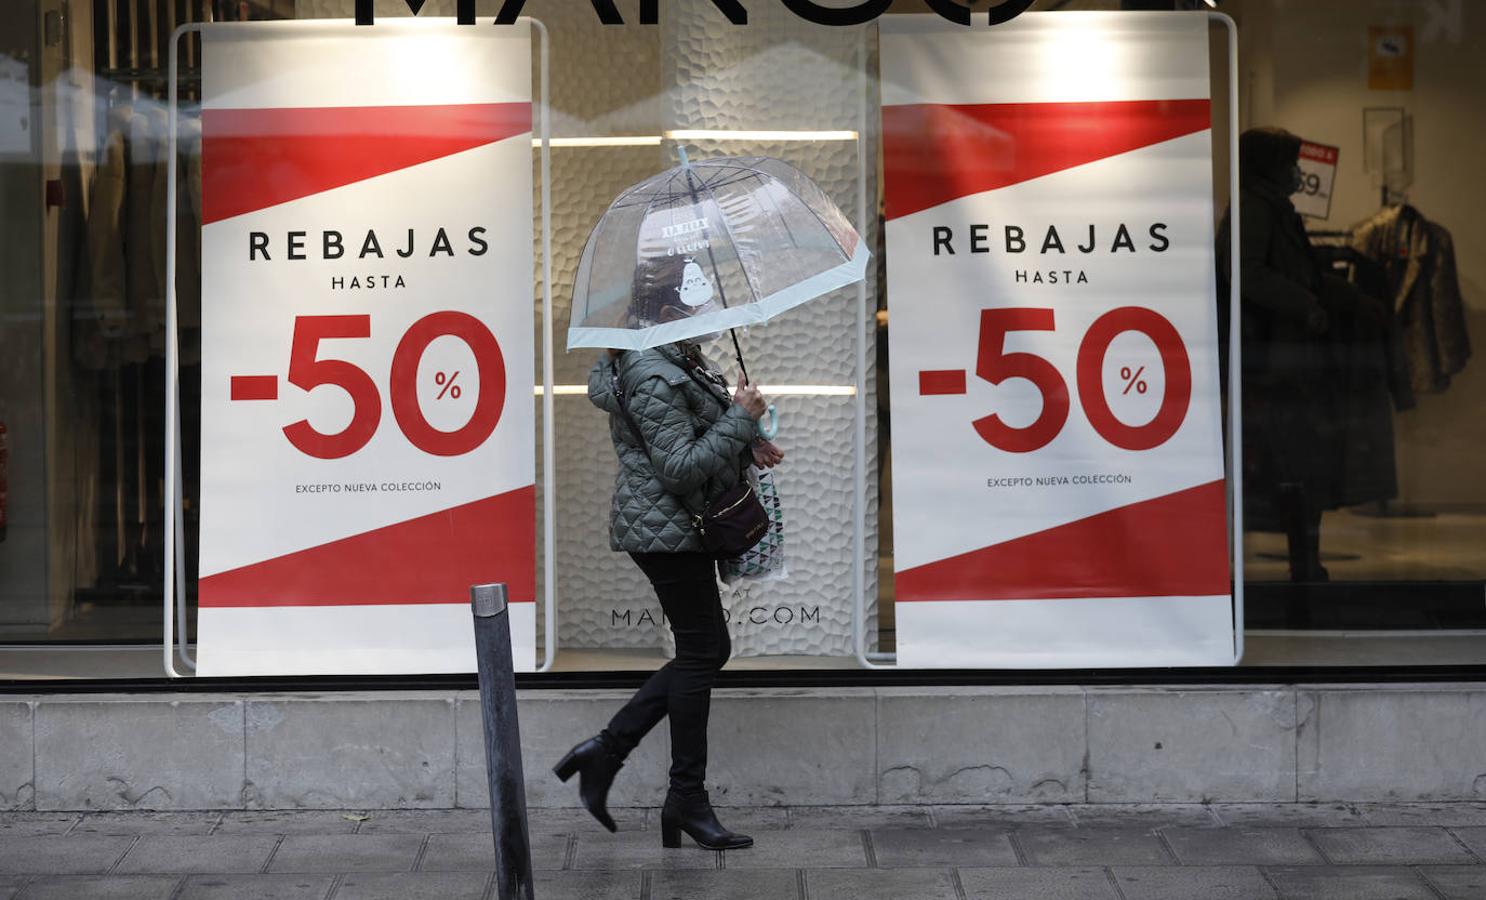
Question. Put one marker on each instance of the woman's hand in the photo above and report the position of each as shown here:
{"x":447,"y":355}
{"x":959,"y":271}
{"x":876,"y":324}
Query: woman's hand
{"x":748,"y":397}
{"x":766,"y":455}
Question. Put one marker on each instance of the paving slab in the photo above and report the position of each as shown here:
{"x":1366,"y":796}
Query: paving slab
{"x":109,"y":752}
{"x":1390,"y":846}
{"x":147,"y":823}
{"x":753,"y":884}
{"x":1009,"y":745}
{"x":95,"y":887}
{"x":1072,"y":883}
{"x":847,"y":818}
{"x":475,"y":852}
{"x":20,"y":824}
{"x":637,"y":850}
{"x":1101,"y":815}
{"x":289,"y":821}
{"x":1474,"y":838}
{"x":1314,"y":815}
{"x":1457,"y":882}
{"x":1446,"y":814}
{"x":998,"y":816}
{"x":827,"y":736}
{"x":880,"y":884}
{"x":414,"y":886}
{"x":256,"y":887}
{"x":301,"y":853}
{"x":791,"y":849}
{"x":198,"y":854}
{"x":551,"y":722}
{"x":1359,"y":883}
{"x":393,"y":749}
{"x":1108,"y":846}
{"x":10,"y":885}
{"x":1187,"y":882}
{"x":17,"y":755}
{"x":429,"y":821}
{"x":743,"y":819}
{"x":1241,"y":847}
{"x":1390,"y":744}
{"x":1157,"y":745}
{"x":626,"y":818}
{"x":588,"y":885}
{"x":89,"y":854}
{"x":902,"y":847}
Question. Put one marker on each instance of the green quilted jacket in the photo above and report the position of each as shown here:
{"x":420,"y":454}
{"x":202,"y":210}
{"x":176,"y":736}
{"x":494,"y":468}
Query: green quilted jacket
{"x":697,"y":440}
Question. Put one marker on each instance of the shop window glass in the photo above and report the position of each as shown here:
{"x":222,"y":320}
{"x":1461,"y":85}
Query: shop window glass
{"x":1364,"y":506}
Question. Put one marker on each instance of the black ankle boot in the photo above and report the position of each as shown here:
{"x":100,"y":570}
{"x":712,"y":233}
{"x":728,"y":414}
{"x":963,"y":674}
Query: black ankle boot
{"x":598,"y":760}
{"x":692,"y":813}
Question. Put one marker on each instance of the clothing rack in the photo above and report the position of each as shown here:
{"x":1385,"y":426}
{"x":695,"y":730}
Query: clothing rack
{"x":148,"y":75}
{"x":131,"y":41}
{"x":131,"y":53}
{"x":132,"y":38}
{"x":1335,"y":240}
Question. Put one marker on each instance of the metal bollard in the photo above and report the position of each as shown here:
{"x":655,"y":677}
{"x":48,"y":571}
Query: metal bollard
{"x":502,"y":743}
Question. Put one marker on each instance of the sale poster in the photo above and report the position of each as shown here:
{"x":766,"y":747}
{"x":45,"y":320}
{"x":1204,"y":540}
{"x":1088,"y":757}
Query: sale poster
{"x":1317,"y":176}
{"x":1058,"y":479}
{"x":367,"y":358}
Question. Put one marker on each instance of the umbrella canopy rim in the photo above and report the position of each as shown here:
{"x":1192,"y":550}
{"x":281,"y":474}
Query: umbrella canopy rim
{"x":754,"y":313}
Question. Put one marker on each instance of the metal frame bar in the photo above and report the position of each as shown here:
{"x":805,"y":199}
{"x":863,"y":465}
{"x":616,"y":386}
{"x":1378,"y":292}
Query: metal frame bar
{"x":174,"y":507}
{"x":549,"y":453}
{"x":174,"y":597}
{"x":865,"y":658}
{"x":1235,"y":418}
{"x":1235,"y":344}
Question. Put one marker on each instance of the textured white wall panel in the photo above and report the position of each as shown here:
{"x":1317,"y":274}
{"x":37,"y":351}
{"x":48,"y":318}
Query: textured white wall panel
{"x":781,"y":73}
{"x":697,"y":71}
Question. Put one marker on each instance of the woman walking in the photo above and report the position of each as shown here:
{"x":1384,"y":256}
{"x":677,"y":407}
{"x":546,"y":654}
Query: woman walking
{"x":682,"y":439}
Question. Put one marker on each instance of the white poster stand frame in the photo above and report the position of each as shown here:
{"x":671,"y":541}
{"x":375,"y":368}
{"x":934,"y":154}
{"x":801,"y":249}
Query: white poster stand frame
{"x":873,"y":660}
{"x":175,"y":631}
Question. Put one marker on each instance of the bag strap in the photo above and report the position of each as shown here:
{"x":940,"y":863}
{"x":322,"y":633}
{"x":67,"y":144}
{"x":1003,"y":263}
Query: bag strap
{"x":690,"y":369}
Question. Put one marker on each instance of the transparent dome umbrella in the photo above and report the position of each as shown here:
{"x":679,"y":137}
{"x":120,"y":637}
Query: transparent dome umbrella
{"x":708,"y":246}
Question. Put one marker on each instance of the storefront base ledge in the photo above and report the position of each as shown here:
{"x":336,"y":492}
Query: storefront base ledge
{"x":830,"y":746}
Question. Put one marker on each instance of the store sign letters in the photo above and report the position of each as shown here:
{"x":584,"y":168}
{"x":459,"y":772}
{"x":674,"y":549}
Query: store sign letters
{"x":734,"y":10}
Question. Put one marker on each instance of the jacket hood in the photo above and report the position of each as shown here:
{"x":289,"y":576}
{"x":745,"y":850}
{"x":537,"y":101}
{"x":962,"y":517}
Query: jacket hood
{"x":631,"y":363}
{"x":601,"y":385}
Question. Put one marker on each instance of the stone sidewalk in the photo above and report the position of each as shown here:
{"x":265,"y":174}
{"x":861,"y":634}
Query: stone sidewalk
{"x":1176,"y":852}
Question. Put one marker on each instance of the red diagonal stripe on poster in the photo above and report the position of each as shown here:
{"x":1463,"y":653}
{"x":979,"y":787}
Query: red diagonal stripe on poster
{"x":430,"y":559}
{"x":934,"y":153}
{"x":252,"y":159}
{"x":1172,"y":546}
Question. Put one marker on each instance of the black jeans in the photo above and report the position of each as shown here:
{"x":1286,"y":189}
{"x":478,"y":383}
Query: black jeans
{"x":686,"y":584}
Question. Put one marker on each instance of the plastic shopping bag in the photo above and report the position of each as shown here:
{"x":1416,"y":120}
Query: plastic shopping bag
{"x":765,"y":562}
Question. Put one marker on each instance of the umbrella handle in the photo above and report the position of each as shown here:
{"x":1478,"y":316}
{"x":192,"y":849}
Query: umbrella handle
{"x":767,"y":432}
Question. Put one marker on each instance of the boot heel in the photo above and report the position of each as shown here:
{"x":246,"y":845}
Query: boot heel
{"x":566,"y":766}
{"x":670,"y":835}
